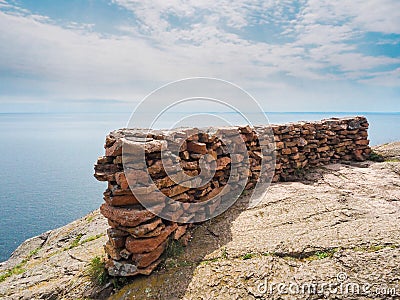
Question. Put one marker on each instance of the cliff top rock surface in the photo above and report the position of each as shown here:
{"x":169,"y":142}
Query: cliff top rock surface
{"x":340,"y":222}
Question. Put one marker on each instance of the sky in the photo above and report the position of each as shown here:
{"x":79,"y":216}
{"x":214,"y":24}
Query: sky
{"x":99,"y":55}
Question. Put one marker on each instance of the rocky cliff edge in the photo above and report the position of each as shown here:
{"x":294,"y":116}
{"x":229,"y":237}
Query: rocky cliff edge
{"x":337,"y":227}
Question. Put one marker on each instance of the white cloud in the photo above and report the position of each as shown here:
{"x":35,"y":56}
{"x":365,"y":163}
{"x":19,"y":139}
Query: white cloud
{"x":388,"y":78}
{"x":86,"y":61}
{"x":176,"y":39}
{"x":367,"y":15}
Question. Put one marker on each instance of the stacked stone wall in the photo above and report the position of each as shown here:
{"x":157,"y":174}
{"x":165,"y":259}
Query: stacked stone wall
{"x":138,"y":236}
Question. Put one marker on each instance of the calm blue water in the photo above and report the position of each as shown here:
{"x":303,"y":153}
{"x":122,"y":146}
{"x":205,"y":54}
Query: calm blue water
{"x":46,"y":160}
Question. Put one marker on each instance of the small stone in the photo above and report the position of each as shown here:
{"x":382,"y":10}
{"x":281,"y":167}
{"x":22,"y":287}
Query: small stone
{"x":115,"y":149}
{"x":117,"y":160}
{"x":112,"y":251}
{"x":302,"y":142}
{"x":155,"y":146}
{"x":174,"y":190}
{"x":121,"y":180}
{"x":180,"y":231}
{"x":123,"y":268}
{"x":185,"y":155}
{"x":323,"y":149}
{"x":189,"y":165}
{"x":295,"y":156}
{"x":125,"y":253}
{"x":223,"y":162}
{"x":291,"y":144}
{"x":197,"y":147}
{"x":153,"y":233}
{"x":246,"y":129}
{"x":113,"y":232}
{"x":102,"y":160}
{"x":358,"y":155}
{"x":105,"y":172}
{"x":117,"y":242}
{"x":362,"y":142}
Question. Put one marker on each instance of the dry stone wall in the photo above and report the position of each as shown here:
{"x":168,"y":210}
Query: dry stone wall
{"x":137,"y":237}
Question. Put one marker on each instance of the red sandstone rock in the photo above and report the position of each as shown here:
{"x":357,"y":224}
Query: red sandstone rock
{"x":223,"y":162}
{"x":362,"y":142}
{"x":117,"y":160}
{"x":156,"y":168}
{"x":109,"y":141}
{"x":358,"y":154}
{"x":164,"y":182}
{"x":103,"y":160}
{"x":130,"y":217}
{"x":173,"y":215}
{"x":122,"y":200}
{"x":137,"y":246}
{"x":143,"y":229}
{"x":105,"y":172}
{"x":145,"y":259}
{"x":115,"y":149}
{"x":185,"y":155}
{"x":216,"y":192}
{"x":167,"y":181}
{"x":295,"y":156}
{"x":174,"y":190}
{"x":112,"y":251}
{"x":189,"y":165}
{"x":117,"y":242}
{"x":113,"y":232}
{"x":323,"y":149}
{"x":155,"y":232}
{"x":155,"y":146}
{"x":121,"y":180}
{"x":246,"y":129}
{"x":112,"y":224}
{"x":184,"y":197}
{"x":152,"y":199}
{"x":197,"y":147}
{"x":179,"y":232}
{"x":143,"y":190}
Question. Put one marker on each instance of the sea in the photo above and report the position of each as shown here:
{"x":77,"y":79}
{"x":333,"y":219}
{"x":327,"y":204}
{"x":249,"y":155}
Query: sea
{"x":46,"y":161}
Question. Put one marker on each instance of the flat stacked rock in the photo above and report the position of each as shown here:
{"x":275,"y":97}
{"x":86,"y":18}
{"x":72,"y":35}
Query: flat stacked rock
{"x":137,"y":237}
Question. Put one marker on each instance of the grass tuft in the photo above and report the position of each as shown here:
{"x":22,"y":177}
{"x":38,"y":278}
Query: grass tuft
{"x":376,"y":157}
{"x":174,"y":249}
{"x":248,"y":256}
{"x":19,"y":269}
{"x":97,"y":271}
{"x":92,"y":238}
{"x":224,"y":253}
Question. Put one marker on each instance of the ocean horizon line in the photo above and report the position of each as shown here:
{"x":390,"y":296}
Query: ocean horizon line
{"x":213,"y":112}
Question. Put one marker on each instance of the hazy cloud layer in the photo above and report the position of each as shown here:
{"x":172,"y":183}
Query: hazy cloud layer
{"x":276,"y":49}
